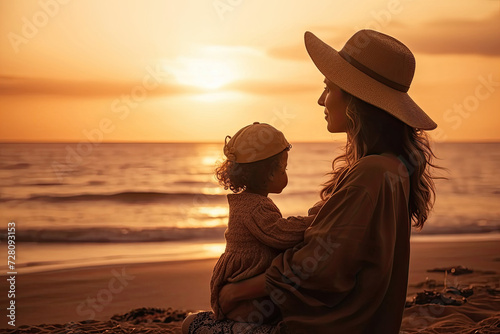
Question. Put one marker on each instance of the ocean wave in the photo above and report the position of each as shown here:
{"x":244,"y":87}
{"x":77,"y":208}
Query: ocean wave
{"x":43,"y":184}
{"x":137,"y":197}
{"x":192,"y":182}
{"x":96,"y":182}
{"x":125,"y":196}
{"x":21,"y":165}
{"x":169,"y":234}
{"x":463,"y":229}
{"x":117,"y":235}
{"x":300,"y":193}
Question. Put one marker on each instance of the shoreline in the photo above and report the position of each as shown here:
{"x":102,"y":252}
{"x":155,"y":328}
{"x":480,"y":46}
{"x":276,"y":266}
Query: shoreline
{"x":159,"y":252}
{"x":46,"y":257}
{"x":99,"y":292}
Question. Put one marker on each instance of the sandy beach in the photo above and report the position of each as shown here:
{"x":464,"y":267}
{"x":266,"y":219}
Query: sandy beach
{"x":86,"y":299}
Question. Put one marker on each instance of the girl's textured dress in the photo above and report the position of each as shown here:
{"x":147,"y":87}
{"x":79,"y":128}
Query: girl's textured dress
{"x":255,"y":235}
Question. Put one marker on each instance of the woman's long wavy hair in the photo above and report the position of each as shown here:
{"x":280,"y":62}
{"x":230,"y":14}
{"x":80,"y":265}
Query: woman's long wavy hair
{"x":371,"y":130}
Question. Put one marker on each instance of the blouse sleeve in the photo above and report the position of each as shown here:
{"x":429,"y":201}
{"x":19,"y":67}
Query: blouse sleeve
{"x":341,"y":274}
{"x":325,"y":268}
{"x":270,"y":228}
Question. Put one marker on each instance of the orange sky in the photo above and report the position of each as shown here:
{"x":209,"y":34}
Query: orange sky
{"x":158,"y":70}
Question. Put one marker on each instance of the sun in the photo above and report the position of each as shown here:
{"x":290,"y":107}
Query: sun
{"x":208,"y":70}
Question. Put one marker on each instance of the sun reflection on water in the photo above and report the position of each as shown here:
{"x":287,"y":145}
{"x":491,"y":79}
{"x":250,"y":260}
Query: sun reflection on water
{"x":215,"y":249}
{"x":214,"y":211}
{"x":215,"y":190}
{"x":209,"y":160}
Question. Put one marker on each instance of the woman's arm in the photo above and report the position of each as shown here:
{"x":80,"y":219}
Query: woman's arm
{"x":233,"y":293}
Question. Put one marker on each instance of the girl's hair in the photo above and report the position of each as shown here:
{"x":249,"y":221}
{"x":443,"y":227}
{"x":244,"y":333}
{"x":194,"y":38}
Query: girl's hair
{"x":252,"y":176}
{"x":371,"y":130}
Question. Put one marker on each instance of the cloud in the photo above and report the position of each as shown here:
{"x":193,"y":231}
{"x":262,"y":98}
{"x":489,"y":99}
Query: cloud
{"x":35,"y":86}
{"x":457,"y":37}
{"x":42,"y":86}
{"x":436,"y":37}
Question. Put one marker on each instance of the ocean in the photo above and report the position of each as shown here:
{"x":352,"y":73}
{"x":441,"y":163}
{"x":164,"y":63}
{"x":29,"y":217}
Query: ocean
{"x":82,"y":204}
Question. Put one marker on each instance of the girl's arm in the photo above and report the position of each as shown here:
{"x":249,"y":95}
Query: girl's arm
{"x":271,"y":229}
{"x":233,"y":293}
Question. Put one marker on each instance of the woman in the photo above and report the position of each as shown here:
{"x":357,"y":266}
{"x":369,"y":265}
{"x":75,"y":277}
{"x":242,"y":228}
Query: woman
{"x":350,"y":274}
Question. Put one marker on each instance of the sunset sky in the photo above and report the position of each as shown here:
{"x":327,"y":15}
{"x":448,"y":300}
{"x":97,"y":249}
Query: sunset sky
{"x":196,"y":70}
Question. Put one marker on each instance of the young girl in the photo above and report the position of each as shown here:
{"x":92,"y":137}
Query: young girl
{"x":255,"y":165}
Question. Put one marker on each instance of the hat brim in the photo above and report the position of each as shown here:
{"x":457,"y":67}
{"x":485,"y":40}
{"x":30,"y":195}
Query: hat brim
{"x":355,"y":82}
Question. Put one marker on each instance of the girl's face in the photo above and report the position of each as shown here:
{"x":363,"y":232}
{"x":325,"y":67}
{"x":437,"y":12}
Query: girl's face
{"x":335,"y":103}
{"x":279,"y":179}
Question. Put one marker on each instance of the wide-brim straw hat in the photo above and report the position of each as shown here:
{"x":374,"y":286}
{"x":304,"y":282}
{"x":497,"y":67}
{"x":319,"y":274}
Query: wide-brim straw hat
{"x":375,"y":68}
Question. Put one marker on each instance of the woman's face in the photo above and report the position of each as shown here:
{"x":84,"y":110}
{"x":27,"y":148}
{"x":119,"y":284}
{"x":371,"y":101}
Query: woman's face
{"x":335,"y":103}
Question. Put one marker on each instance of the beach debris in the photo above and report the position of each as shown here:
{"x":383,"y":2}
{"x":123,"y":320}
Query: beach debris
{"x":457,"y":270}
{"x":449,"y":296}
{"x":151,"y":314}
{"x":435,"y":297}
{"x":467,"y":292}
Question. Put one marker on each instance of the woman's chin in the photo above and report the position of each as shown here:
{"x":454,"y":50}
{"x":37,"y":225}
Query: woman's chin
{"x":334,"y":129}
{"x":331,"y":129}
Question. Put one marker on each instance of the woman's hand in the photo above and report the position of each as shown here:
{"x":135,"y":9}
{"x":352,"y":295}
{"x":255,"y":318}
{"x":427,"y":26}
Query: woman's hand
{"x":232,"y":294}
{"x":227,"y":300}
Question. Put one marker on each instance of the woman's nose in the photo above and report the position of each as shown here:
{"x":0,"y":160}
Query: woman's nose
{"x":321,"y":100}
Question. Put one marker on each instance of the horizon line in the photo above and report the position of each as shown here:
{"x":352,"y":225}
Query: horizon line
{"x":487,"y":141}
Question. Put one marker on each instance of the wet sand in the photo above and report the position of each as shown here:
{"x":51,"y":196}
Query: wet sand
{"x":86,"y":299}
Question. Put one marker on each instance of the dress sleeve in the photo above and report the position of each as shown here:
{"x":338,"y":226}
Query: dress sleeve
{"x":270,"y":228}
{"x":324,"y":270}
